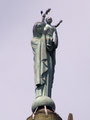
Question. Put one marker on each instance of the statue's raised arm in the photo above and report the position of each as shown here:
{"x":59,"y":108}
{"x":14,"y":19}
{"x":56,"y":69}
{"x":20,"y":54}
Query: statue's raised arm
{"x":44,"y":14}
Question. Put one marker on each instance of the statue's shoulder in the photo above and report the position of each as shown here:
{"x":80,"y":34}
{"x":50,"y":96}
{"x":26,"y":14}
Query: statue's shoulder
{"x":38,"y":29}
{"x":47,"y":26}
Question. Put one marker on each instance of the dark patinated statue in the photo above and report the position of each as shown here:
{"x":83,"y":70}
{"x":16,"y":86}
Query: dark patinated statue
{"x":44,"y":44}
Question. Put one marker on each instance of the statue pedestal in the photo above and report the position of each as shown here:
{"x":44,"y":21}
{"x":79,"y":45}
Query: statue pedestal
{"x":41,"y":115}
{"x":43,"y":101}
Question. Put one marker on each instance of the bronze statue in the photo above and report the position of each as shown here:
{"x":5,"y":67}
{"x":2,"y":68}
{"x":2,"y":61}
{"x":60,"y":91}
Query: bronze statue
{"x":44,"y":45}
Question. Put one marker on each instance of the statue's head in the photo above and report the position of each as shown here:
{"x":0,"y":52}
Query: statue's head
{"x":49,"y":20}
{"x":38,"y":29}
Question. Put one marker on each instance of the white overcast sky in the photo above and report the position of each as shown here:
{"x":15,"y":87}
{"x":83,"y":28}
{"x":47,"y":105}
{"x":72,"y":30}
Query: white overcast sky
{"x":71,"y":88}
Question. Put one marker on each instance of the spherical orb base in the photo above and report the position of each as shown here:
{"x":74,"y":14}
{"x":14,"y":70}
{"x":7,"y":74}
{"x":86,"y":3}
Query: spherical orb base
{"x":43,"y":101}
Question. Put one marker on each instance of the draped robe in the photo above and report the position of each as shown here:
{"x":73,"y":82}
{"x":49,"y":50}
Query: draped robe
{"x":44,"y":62}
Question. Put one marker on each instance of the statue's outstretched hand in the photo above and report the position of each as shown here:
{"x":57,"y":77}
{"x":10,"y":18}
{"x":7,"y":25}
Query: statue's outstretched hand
{"x":58,"y":23}
{"x":61,"y":21}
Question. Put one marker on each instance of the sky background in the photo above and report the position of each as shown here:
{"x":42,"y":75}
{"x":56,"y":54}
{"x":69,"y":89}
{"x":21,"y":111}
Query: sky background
{"x":71,"y":88}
